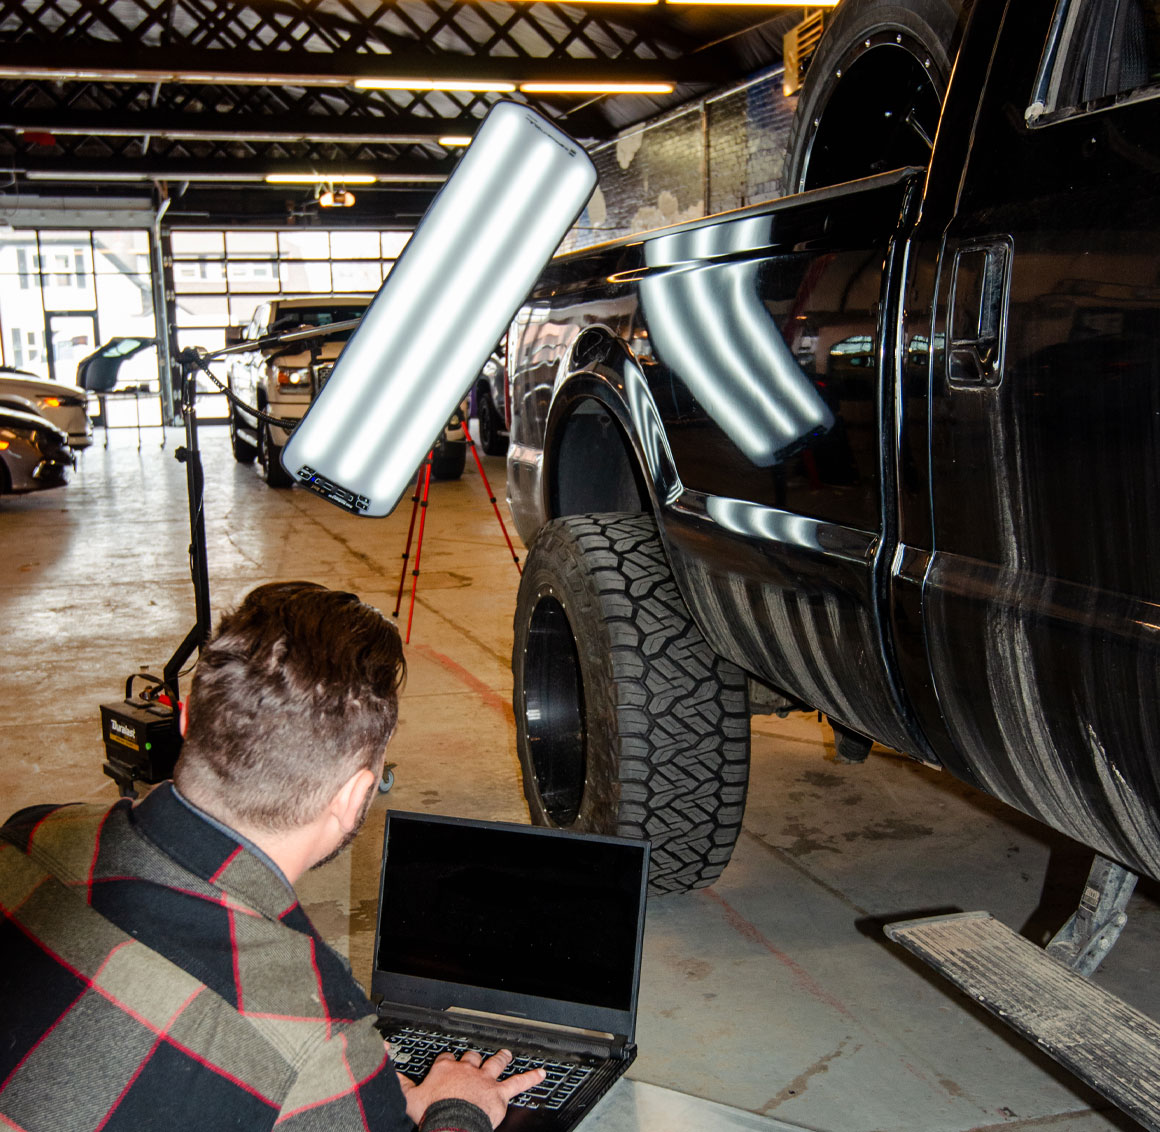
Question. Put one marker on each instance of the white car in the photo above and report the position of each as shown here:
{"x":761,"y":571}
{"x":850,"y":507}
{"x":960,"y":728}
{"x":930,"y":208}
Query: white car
{"x":65,"y":406}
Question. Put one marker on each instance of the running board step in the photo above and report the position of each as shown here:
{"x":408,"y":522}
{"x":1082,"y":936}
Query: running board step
{"x":1105,"y":1042}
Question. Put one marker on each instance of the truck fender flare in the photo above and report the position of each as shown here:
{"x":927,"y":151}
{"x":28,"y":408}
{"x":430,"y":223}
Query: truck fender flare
{"x":601,"y":368}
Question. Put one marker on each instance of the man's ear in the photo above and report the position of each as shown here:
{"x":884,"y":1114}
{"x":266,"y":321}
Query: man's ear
{"x":183,"y":717}
{"x":347,"y":804}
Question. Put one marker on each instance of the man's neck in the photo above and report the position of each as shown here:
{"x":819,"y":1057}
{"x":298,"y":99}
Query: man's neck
{"x":290,"y":852}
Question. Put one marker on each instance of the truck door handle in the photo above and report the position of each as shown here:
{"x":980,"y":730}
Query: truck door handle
{"x":980,"y":284}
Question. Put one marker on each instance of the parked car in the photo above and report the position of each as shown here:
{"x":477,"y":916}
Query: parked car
{"x":65,"y":406}
{"x":34,"y":453}
{"x":99,"y":371}
{"x":282,"y":378}
{"x":491,"y":404}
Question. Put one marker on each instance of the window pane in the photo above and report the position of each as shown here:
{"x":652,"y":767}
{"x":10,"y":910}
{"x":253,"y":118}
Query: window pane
{"x":305,"y":277}
{"x":242,"y":307}
{"x":66,"y":271}
{"x":357,"y":276}
{"x":125,"y":305}
{"x":209,"y":339}
{"x":264,"y":244}
{"x":304,"y":245}
{"x":394,"y":243}
{"x":252,"y":275}
{"x":18,"y":254}
{"x":202,"y":310}
{"x":197,"y":245}
{"x":121,"y":252}
{"x":354,"y":245}
{"x":198,"y":277}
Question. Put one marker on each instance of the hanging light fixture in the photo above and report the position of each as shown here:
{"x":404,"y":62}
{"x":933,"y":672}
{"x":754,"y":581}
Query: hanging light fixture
{"x":472,"y":260}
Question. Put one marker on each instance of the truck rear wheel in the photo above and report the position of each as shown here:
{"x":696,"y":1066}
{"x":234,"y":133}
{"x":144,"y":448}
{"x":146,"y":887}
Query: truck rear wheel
{"x":627,"y":722}
{"x":270,"y":459}
{"x":491,"y":436}
{"x":873,"y":92}
{"x":244,"y":452}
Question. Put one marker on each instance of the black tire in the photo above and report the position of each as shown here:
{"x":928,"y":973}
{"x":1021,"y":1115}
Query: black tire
{"x":449,"y":460}
{"x":874,"y":87}
{"x":270,"y":459}
{"x":491,"y":437}
{"x":850,"y":746}
{"x":626,"y":721}
{"x":244,"y":452}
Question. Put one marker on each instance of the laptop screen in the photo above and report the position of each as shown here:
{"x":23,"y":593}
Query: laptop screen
{"x":513,"y":909}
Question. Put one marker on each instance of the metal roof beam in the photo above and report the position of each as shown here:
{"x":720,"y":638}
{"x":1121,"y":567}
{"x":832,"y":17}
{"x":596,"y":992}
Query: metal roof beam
{"x":117,"y":168}
{"x":121,"y":63}
{"x":400,"y":129}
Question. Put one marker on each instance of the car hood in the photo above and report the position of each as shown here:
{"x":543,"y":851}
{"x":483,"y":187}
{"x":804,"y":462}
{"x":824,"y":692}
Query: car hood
{"x":292,"y":356}
{"x":28,"y":385}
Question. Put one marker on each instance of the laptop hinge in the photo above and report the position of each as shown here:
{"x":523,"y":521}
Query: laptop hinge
{"x":502,"y":1029}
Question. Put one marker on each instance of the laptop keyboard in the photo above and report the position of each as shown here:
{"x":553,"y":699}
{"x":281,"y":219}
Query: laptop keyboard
{"x":413,"y":1049}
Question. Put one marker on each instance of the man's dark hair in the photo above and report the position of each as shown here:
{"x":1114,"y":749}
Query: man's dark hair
{"x":296,"y":691}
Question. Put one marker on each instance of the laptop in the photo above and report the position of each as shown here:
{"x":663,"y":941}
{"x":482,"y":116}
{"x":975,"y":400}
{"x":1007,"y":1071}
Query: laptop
{"x":492,"y":935}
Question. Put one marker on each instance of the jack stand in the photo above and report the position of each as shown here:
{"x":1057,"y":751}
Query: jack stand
{"x":419,"y":507}
{"x":1095,"y":925}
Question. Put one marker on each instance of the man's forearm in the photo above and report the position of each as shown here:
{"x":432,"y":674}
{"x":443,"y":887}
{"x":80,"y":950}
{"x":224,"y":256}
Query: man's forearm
{"x":455,"y":1116}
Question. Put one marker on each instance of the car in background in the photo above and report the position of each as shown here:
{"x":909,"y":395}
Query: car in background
{"x":280,"y":379}
{"x":490,"y":393}
{"x":65,"y":406}
{"x":34,"y":453}
{"x":98,"y":372}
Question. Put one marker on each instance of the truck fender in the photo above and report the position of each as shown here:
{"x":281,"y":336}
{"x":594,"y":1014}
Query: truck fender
{"x":600,"y":370}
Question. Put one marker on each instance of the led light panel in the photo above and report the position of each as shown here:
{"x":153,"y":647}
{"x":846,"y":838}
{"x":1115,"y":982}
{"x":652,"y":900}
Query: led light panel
{"x":446,"y":303}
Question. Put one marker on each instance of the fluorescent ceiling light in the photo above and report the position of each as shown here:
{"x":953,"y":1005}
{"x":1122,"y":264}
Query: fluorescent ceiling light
{"x":596,"y":88}
{"x":318,"y":178}
{"x":435,"y":84}
{"x":451,"y":140}
{"x":760,"y":3}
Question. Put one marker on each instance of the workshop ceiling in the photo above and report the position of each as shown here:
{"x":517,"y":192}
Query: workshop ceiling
{"x":197,"y":99}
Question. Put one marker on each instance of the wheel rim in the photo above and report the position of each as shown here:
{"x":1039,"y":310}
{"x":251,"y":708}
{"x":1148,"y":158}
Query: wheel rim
{"x":882,"y":114}
{"x":554,"y":712}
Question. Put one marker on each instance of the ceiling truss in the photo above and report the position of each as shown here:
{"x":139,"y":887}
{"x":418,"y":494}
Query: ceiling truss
{"x":196,"y":96}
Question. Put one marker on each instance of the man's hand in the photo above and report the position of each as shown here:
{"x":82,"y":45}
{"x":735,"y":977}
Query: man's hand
{"x":469,"y":1079}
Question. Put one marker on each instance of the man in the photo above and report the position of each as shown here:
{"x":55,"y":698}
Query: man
{"x":156,"y":969}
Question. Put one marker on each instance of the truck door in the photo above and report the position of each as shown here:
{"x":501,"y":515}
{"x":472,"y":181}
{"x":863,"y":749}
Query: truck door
{"x":766,"y":363}
{"x":1041,"y":604}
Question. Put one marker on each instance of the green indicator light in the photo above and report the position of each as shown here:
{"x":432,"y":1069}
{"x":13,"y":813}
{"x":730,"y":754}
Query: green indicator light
{"x":148,"y":746}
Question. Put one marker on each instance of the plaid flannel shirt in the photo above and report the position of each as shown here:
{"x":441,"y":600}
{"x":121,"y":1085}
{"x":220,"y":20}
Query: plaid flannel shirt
{"x":156,"y":974}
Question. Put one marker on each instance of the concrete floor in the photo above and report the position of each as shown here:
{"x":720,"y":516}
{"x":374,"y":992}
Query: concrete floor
{"x":773,"y":991}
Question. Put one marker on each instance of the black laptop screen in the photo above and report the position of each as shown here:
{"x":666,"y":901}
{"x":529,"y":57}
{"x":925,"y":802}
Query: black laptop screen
{"x":518,"y":911}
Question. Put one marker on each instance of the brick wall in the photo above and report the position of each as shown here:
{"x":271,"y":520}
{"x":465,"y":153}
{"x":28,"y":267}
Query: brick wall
{"x":724,"y":151}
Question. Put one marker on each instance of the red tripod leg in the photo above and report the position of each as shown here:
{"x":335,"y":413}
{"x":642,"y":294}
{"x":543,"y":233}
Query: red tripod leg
{"x":410,"y":532}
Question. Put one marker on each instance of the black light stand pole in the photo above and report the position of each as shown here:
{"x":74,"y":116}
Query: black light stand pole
{"x":190,"y":456}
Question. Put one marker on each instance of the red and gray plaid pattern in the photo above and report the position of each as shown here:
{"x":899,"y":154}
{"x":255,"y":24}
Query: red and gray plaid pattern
{"x":157,"y":975}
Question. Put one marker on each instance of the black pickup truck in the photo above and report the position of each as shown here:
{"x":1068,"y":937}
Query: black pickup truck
{"x":887,"y":449}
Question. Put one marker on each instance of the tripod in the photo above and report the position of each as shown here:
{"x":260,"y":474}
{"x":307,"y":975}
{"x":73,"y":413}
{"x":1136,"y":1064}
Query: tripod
{"x":419,"y":508}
